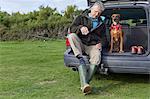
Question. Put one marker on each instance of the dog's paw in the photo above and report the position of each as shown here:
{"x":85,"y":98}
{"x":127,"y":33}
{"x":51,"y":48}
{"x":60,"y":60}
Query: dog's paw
{"x":121,"y":51}
{"x":110,"y":51}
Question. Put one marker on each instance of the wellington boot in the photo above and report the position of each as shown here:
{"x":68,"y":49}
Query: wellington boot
{"x":91,"y":71}
{"x":85,"y":87}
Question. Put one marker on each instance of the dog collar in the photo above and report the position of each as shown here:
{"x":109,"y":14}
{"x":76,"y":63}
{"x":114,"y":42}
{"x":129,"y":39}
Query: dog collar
{"x":118,"y":26}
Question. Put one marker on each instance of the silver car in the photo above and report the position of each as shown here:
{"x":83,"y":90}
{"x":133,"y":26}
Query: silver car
{"x":135,"y":21}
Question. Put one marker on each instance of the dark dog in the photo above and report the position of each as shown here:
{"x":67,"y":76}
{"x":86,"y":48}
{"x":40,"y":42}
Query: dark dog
{"x":116,"y":34}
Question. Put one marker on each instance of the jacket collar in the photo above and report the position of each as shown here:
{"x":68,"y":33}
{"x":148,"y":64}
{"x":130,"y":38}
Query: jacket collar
{"x":86,"y":12}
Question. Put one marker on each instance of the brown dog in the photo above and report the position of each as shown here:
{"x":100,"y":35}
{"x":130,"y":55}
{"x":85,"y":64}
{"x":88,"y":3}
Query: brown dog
{"x":116,"y":34}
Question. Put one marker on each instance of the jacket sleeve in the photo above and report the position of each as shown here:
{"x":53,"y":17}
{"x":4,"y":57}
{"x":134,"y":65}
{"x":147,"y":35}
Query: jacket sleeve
{"x":76,"y":25}
{"x":102,"y":37}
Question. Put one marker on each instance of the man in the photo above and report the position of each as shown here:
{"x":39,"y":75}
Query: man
{"x":88,"y":36}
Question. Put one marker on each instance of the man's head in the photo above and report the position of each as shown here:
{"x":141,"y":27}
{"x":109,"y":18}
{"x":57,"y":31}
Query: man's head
{"x":97,"y":9}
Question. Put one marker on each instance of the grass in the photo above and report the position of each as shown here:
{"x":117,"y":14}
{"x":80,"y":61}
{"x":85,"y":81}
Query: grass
{"x":35,"y":70}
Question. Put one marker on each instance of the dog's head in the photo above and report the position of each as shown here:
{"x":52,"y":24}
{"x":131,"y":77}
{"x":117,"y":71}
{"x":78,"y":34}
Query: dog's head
{"x":115,"y":18}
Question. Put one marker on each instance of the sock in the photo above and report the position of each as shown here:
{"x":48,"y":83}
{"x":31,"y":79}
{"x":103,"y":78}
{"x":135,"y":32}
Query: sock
{"x":79,"y":56}
{"x":81,"y":59}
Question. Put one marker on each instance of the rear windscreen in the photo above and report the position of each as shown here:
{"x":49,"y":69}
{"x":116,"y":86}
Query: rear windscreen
{"x":132,"y":16}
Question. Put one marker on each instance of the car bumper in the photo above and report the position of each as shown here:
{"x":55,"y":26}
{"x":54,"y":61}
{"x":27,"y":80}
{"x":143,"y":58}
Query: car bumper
{"x":115,"y":64}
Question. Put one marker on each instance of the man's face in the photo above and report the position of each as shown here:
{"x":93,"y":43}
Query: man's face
{"x":95,"y":11}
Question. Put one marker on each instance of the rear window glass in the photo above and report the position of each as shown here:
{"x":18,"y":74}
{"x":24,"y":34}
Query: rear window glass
{"x":130,"y":16}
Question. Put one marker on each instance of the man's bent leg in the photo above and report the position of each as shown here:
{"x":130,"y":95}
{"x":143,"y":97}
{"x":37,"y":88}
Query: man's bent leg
{"x":95,"y":59}
{"x":94,"y":54}
{"x":75,"y":44}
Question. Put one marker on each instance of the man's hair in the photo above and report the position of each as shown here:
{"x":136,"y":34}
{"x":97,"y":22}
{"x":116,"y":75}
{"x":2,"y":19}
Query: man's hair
{"x":99,"y":4}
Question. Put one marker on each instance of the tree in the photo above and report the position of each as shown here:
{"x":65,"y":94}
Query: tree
{"x":46,"y":20}
{"x":70,"y":11}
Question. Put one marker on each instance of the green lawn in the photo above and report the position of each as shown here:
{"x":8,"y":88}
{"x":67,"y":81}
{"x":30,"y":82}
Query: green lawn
{"x":35,"y":70}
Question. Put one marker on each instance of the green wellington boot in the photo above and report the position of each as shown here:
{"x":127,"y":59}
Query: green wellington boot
{"x":85,"y":87}
{"x":91,"y":71}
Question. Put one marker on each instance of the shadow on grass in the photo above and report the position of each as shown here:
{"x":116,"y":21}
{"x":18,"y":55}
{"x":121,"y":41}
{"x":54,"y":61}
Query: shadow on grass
{"x":117,"y":80}
{"x":128,"y":78}
{"x":103,"y":90}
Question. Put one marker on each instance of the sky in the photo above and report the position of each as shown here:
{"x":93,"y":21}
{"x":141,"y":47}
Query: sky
{"x":25,"y":6}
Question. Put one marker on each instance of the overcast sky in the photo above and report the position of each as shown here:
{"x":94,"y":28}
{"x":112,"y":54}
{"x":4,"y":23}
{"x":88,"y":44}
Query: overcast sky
{"x":25,"y":6}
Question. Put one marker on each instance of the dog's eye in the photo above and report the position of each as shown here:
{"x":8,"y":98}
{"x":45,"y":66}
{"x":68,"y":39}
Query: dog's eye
{"x":117,"y":16}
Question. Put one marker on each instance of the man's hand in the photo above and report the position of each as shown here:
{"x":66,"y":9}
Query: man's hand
{"x":84,"y":30}
{"x":99,"y":46}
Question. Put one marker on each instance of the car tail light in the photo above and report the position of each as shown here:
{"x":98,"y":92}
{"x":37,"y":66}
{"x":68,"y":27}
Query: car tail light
{"x":67,"y":42}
